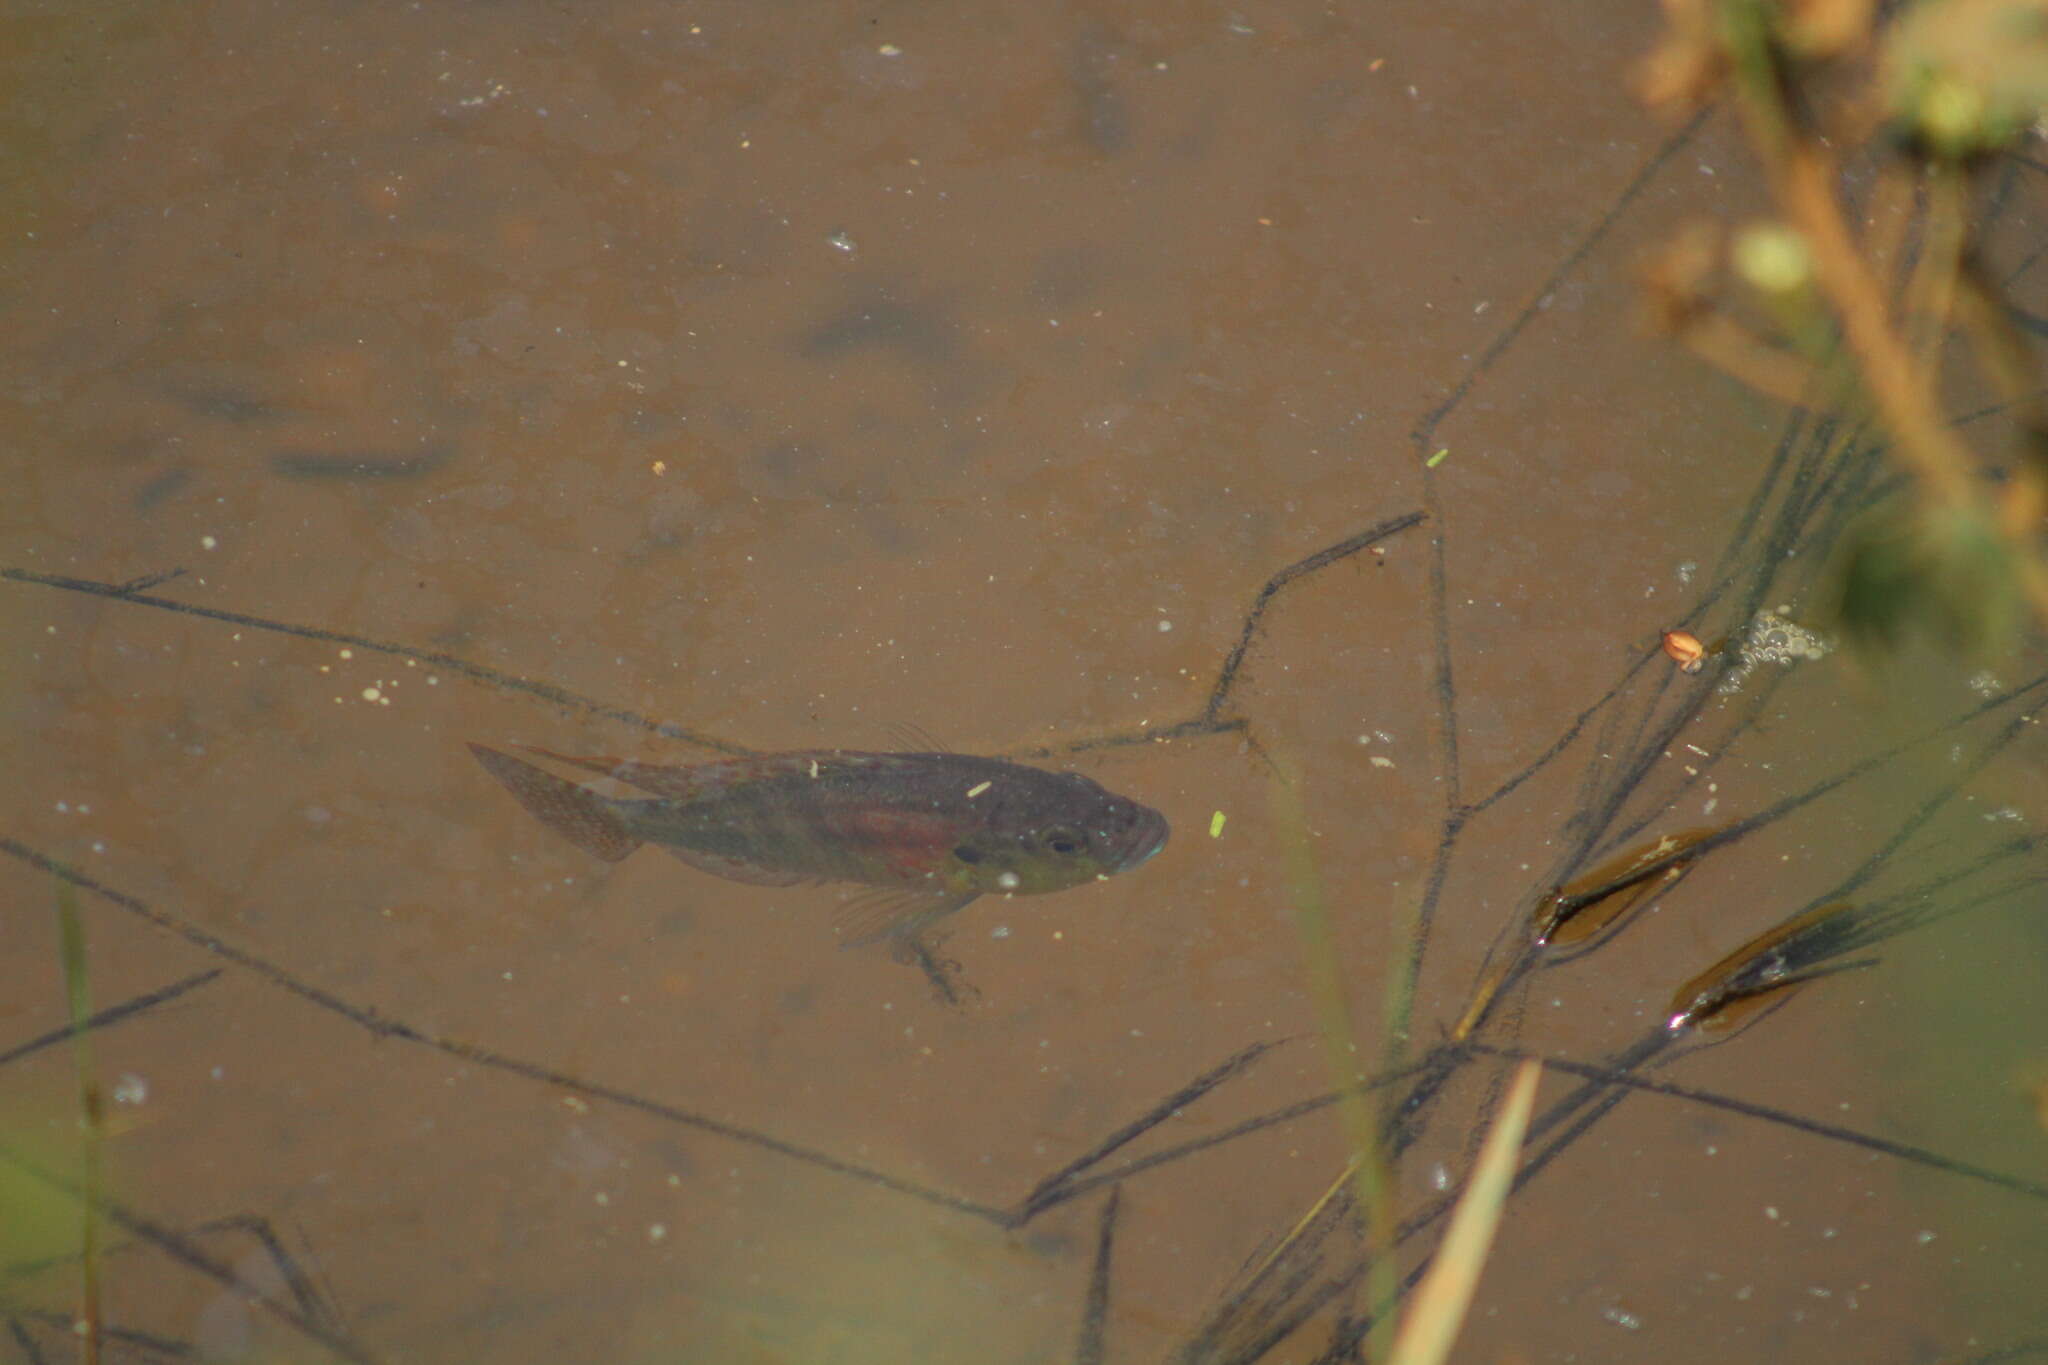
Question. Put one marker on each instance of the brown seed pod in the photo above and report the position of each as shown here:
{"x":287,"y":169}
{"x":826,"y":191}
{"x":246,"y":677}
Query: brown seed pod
{"x":1685,"y":650}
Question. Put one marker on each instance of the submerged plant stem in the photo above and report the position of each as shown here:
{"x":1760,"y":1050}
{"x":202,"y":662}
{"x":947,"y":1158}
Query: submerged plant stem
{"x":71,"y":939}
{"x":1438,"y":1309}
{"x":1371,"y":1164}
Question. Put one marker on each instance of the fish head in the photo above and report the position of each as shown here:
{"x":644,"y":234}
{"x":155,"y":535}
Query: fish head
{"x":1051,"y":831}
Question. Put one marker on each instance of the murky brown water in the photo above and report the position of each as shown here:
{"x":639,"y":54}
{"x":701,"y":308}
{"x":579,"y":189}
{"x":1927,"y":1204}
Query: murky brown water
{"x":783,"y":375}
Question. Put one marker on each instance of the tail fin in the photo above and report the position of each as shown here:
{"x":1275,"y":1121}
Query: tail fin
{"x":576,"y":813}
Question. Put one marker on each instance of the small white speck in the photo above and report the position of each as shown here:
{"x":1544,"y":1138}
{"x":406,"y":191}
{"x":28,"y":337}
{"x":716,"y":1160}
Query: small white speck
{"x":130,"y":1089}
{"x":208,"y":543}
{"x":972,"y":792}
{"x":1000,"y":931}
{"x":657,"y":1232}
{"x":1165,"y":626}
{"x":372,"y":694}
{"x":1007,"y":881}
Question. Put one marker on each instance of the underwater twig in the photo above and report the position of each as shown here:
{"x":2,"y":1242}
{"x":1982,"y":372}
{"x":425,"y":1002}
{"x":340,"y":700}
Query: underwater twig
{"x":30,"y":1352}
{"x":113,"y":1014}
{"x":1777,"y":1118}
{"x":296,"y":1278}
{"x":384,"y":1026}
{"x":1060,"y":1185}
{"x":475,"y":672}
{"x":1089,"y":1350}
{"x":180,"y":1249}
{"x":1226,"y":676}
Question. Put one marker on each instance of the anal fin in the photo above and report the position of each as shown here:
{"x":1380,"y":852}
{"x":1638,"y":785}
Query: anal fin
{"x":732,"y":869}
{"x":891,"y":913}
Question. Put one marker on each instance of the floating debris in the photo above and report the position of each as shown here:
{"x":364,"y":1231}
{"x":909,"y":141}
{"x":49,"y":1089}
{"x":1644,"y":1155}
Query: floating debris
{"x":1761,"y":974}
{"x":1773,"y":638}
{"x":1602,"y":898}
{"x":358,"y":465}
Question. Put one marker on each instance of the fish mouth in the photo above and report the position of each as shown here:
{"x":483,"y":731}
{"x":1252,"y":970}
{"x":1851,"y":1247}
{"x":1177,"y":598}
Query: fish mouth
{"x":1147,"y":837}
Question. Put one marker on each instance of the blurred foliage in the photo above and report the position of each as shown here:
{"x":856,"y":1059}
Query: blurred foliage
{"x":1945,"y":570}
{"x":1812,"y":310}
{"x":38,"y":1220}
{"x":1968,"y":76}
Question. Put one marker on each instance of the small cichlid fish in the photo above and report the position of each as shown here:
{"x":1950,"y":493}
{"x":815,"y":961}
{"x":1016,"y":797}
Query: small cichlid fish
{"x":931,"y":831}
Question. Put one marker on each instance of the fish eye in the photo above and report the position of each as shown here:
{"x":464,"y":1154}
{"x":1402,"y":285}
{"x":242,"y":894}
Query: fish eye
{"x":1065,"y":842}
{"x":967,"y":853}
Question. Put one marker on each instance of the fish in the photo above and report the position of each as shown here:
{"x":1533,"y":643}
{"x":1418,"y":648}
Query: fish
{"x":929,"y":833}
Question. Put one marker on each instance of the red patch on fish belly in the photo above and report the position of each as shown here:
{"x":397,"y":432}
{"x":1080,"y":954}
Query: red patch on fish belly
{"x":912,"y":843}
